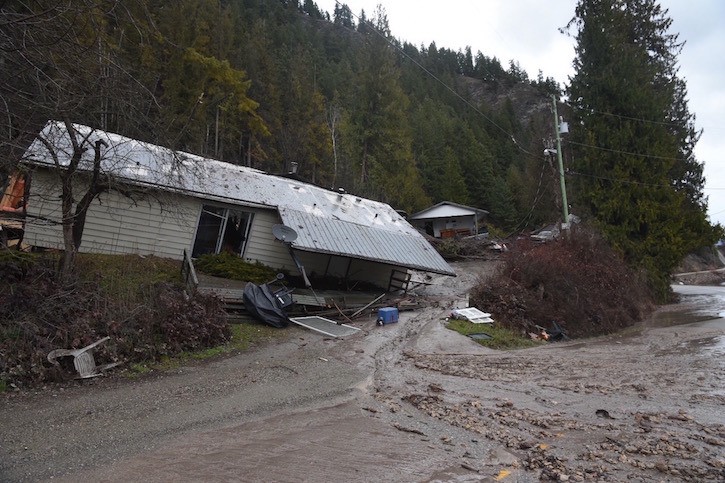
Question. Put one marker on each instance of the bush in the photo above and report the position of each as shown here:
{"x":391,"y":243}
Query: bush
{"x":232,"y":267}
{"x":577,"y":281}
{"x":145,"y":317}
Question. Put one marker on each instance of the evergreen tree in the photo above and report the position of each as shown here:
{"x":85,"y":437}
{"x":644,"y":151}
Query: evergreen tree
{"x":633,"y":134}
{"x":343,"y":16}
{"x":382,"y":138}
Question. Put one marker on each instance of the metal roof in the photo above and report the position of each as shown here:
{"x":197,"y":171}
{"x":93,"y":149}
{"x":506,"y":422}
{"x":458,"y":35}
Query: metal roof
{"x":326,"y":222}
{"x":446,"y":209}
{"x":329,"y":235}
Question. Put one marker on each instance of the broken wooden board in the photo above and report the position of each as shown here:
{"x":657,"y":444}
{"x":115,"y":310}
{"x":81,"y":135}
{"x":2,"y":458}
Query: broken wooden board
{"x":325,"y":326}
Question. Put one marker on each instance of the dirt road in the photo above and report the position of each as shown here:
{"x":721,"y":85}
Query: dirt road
{"x":406,"y":402}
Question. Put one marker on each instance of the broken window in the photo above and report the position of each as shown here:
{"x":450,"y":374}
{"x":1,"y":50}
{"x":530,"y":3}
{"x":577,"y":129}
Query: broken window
{"x":221,"y":230}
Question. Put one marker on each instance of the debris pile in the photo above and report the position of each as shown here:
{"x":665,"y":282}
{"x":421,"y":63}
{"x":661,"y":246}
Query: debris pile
{"x":473,"y":315}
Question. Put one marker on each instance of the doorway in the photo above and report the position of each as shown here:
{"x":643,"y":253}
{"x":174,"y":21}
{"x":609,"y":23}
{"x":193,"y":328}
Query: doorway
{"x":221,"y":230}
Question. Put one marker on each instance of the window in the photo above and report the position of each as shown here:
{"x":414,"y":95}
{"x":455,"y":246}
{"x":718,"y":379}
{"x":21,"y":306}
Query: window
{"x":221,"y":229}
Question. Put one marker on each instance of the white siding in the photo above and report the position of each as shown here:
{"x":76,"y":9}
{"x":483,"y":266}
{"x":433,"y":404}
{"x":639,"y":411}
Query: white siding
{"x":439,"y":224}
{"x":161,"y":225}
{"x":263,"y":247}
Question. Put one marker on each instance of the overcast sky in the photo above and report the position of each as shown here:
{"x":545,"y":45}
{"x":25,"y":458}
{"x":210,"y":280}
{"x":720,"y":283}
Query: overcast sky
{"x":528,"y":31}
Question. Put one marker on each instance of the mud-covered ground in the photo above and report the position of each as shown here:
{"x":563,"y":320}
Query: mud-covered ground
{"x":411,"y":401}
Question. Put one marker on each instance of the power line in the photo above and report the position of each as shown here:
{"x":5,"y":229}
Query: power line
{"x":616,"y":180}
{"x":610,"y":114}
{"x":539,"y":195}
{"x":638,"y":119}
{"x":618,"y":151}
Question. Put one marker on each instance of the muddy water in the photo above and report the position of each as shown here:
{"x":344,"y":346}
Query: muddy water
{"x":708,"y":307}
{"x":707,"y":300}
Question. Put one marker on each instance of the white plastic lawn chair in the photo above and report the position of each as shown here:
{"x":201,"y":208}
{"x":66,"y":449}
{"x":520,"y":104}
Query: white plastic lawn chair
{"x":83,"y":360}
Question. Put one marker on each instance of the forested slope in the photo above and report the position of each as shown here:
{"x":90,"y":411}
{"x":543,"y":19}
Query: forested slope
{"x":266,"y":83}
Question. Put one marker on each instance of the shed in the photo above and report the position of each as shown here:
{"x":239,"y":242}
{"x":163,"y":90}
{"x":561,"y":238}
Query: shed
{"x":181,"y":201}
{"x":447,"y":219}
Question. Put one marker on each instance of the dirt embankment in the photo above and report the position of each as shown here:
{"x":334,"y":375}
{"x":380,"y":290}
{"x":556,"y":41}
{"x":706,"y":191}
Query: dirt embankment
{"x":706,"y":267}
{"x":411,"y":401}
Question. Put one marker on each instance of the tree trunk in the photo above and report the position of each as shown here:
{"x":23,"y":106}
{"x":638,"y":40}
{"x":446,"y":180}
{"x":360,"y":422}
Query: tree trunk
{"x":67,"y":261}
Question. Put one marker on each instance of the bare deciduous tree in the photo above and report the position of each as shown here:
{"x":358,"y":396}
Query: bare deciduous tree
{"x":64,"y":60}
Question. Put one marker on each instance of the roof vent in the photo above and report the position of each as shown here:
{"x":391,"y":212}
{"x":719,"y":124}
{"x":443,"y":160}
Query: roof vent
{"x":293,"y":167}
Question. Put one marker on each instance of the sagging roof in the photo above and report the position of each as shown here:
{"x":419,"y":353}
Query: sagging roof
{"x":367,"y":242}
{"x":447,"y":209}
{"x":326,"y":222}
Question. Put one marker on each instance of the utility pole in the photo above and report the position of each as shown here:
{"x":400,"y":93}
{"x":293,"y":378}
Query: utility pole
{"x":564,"y":202}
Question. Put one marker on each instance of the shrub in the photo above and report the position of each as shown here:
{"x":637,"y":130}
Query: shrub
{"x":231,"y":266}
{"x":146,"y":318}
{"x":577,"y":281}
{"x":170,"y":324}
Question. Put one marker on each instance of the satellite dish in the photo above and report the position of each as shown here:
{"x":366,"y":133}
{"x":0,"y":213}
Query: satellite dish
{"x":284,"y":233}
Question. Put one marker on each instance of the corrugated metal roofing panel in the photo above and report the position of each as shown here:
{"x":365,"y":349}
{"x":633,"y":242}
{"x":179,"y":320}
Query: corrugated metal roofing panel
{"x":332,"y":222}
{"x":397,"y":247}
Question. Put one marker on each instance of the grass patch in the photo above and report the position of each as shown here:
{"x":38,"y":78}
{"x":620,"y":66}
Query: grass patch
{"x":501,"y":338}
{"x":250,"y":333}
{"x":137,"y":370}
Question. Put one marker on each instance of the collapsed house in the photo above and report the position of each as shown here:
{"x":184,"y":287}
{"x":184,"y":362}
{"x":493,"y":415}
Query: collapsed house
{"x":164,"y":202}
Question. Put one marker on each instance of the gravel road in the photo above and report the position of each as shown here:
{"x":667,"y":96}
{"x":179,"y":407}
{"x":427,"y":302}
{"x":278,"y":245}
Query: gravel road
{"x":411,"y":401}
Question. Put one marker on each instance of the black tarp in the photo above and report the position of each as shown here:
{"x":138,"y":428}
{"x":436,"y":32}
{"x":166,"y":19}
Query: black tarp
{"x":263,"y":304}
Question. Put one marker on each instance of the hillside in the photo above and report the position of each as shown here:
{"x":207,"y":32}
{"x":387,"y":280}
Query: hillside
{"x":704,"y":267}
{"x":267,"y":83}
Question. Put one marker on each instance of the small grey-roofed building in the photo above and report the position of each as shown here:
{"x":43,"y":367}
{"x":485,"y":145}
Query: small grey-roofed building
{"x":186,"y":202}
{"x":447,"y":219}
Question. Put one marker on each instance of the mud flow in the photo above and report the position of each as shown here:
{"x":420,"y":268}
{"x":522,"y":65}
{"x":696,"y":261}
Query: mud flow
{"x":410,"y":401}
